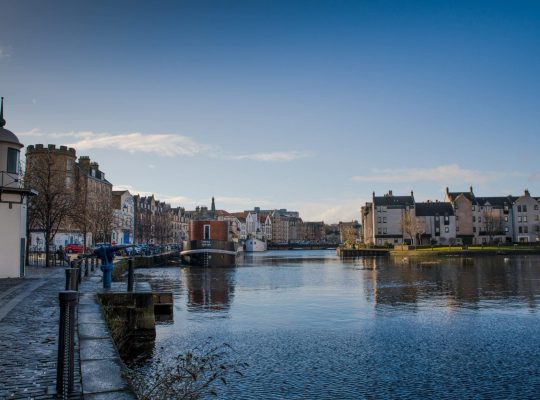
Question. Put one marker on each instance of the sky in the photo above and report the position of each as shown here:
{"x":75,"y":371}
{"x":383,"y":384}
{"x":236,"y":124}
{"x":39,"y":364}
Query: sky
{"x":305,"y":105}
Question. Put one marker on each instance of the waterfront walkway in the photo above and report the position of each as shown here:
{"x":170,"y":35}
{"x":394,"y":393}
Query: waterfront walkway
{"x":29,"y":324}
{"x":29,"y":315}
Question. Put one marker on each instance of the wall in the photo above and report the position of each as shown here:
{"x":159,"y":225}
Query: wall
{"x":10,"y":237}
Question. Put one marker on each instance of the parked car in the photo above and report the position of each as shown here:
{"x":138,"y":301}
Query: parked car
{"x":73,"y":248}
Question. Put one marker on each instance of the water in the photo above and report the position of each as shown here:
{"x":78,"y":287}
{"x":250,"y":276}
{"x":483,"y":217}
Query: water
{"x":312,"y":326}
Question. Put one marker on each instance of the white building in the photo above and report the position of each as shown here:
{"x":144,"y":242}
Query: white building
{"x":12,"y":205}
{"x":123,"y":217}
{"x":438,"y":222}
{"x":526,"y":219}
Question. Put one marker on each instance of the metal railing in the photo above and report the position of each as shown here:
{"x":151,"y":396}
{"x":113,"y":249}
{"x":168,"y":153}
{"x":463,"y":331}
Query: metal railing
{"x":11,"y":179}
{"x":78,"y":269}
{"x":69,"y":299}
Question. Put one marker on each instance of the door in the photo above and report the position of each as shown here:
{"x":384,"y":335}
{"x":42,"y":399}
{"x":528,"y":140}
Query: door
{"x":126,"y":237}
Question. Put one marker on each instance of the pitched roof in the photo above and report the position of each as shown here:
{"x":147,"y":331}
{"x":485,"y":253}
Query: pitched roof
{"x":390,"y":200}
{"x":499,"y":201}
{"x":453,"y":195}
{"x":430,"y":209}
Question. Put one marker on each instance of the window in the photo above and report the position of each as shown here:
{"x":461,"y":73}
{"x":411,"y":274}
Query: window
{"x":473,"y":219}
{"x":473,"y":207}
{"x":536,"y":207}
{"x":446,"y":229}
{"x":524,"y":218}
{"x":479,"y":219}
{"x":525,"y":229}
{"x":12,"y":161}
{"x":506,"y":229}
{"x":536,"y":218}
{"x":524,"y":208}
{"x":378,"y":220}
{"x":379,"y":231}
{"x":437,"y":229}
{"x":207,"y":232}
{"x":384,"y":220}
{"x":520,"y":229}
{"x":519,"y":208}
{"x":474,"y":229}
{"x":506,"y":218}
{"x":384,"y":230}
{"x":519,"y":218}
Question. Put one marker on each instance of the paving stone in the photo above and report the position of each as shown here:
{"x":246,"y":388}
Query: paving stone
{"x":94,"y":330}
{"x":123,"y":395}
{"x":90,"y":317}
{"x":103,"y":376}
{"x":97,"y":349}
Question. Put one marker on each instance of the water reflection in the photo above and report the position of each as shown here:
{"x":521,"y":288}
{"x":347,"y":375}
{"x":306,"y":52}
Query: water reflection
{"x":313,"y":326}
{"x":481,"y":283}
{"x":209,"y":289}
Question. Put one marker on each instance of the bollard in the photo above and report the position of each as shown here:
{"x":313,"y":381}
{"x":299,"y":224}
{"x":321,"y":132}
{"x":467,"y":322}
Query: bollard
{"x":131,"y":275}
{"x":70,"y":278}
{"x":65,"y":366}
{"x":86,"y":271}
{"x":76,"y":278}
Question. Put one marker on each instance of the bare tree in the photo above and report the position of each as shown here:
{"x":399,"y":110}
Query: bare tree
{"x":101,"y":216}
{"x":492,"y":224}
{"x":54,"y":203}
{"x":412,"y":226}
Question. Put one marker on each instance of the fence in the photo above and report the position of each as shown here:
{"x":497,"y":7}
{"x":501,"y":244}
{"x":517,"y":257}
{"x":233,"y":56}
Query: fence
{"x":69,"y":299}
{"x":77,"y":271}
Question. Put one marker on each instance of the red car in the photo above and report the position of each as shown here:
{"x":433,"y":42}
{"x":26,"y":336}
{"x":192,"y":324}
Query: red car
{"x":73,"y":248}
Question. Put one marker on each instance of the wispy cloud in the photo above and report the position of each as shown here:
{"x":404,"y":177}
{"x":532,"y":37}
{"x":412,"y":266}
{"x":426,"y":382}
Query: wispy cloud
{"x":174,"y":201}
{"x":4,"y":52}
{"x":165,"y":144}
{"x":444,"y":174}
{"x":330,"y":210}
{"x":168,"y":145}
{"x":276,"y":156}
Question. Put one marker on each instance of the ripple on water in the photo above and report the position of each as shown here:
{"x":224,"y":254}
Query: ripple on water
{"x":315,"y":329}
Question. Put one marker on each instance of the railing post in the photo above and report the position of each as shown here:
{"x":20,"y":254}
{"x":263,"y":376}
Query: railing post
{"x":131,"y":275}
{"x":76,"y":276}
{"x":86,"y":271}
{"x":65,"y":366}
{"x":93,"y":263}
{"x":71,"y":279}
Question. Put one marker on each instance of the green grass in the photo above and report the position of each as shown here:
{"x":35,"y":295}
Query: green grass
{"x":474,"y":248}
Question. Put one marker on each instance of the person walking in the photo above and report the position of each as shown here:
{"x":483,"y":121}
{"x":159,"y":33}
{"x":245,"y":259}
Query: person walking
{"x":61,"y":255}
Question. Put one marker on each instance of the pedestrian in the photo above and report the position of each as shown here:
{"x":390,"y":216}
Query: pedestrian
{"x":61,"y":255}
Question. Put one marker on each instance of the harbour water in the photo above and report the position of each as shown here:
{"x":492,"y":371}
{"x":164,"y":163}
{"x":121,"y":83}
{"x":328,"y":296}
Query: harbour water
{"x":312,"y":326}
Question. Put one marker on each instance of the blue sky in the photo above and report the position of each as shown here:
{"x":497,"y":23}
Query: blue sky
{"x":305,"y":105}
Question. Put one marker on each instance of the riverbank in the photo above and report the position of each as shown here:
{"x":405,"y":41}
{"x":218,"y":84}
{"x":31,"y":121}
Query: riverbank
{"x":447,"y":251}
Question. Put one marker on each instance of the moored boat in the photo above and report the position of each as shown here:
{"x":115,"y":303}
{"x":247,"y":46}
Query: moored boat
{"x":255,"y":245}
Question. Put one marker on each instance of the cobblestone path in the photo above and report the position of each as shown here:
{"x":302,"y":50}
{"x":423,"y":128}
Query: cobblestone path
{"x":29,"y":315}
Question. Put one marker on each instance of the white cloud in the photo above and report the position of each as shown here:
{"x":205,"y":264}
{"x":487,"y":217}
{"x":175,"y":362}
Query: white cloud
{"x":174,"y":201}
{"x":169,"y":145}
{"x":444,"y":174}
{"x":276,"y":156}
{"x":329,"y":210}
{"x":162,"y":144}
